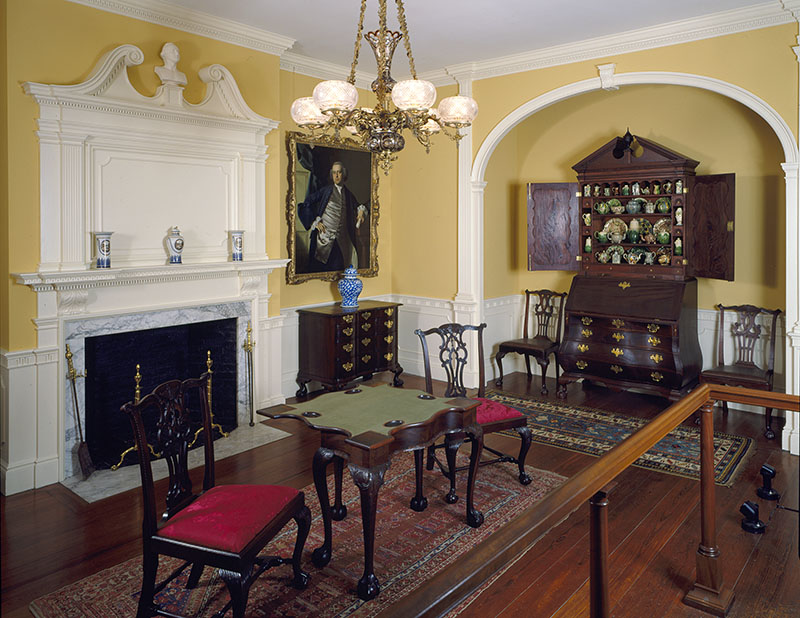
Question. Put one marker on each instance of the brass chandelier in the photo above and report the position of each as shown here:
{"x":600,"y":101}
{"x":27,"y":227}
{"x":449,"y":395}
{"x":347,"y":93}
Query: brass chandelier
{"x":380,"y":129}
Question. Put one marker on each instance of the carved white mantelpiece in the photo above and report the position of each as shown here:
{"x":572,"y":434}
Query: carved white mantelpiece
{"x":112,"y":159}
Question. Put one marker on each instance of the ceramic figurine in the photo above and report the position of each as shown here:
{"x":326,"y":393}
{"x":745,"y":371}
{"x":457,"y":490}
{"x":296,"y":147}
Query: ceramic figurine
{"x":596,"y":191}
{"x":587,"y":245}
{"x":175,"y":245}
{"x":678,"y":186}
{"x":635,"y":190}
{"x":103,"y":245}
{"x":679,"y":216}
{"x":237,"y":245}
{"x":626,"y":189}
{"x":587,"y":190}
{"x":350,"y":287}
{"x":678,"y":246}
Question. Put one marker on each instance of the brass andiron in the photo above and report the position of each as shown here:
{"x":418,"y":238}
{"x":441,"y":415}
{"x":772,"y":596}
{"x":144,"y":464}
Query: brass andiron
{"x":84,"y":458}
{"x":224,"y":434}
{"x":137,"y":396}
{"x":248,"y":350}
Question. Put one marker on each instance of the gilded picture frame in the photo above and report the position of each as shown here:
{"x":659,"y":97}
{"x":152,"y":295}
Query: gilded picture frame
{"x":330,"y":224}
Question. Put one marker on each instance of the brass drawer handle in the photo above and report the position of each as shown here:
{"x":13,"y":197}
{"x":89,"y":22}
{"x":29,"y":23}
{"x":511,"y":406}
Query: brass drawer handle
{"x":657,"y":358}
{"x":616,"y":368}
{"x":389,"y":323}
{"x":586,"y":333}
{"x":618,"y":336}
{"x":617,"y":352}
{"x":366,"y":326}
{"x":581,"y":364}
{"x":347,"y":347}
{"x":624,"y":285}
{"x":657,"y":377}
{"x":388,"y":338}
{"x":583,"y":347}
{"x":586,"y":321}
{"x":347,"y":331}
{"x":389,"y":356}
{"x":366,"y":315}
{"x":389,"y":311}
{"x":653,"y":328}
{"x":347,"y":366}
{"x":366,"y":341}
{"x":618,"y":323}
{"x":653,"y":340}
{"x":348,"y":318}
{"x":366,"y":358}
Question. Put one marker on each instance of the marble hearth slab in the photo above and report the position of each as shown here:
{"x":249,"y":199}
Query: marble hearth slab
{"x":104,"y":483}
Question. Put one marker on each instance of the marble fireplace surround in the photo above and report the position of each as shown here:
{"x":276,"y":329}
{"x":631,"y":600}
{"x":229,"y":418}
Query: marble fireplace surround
{"x":113,"y":159}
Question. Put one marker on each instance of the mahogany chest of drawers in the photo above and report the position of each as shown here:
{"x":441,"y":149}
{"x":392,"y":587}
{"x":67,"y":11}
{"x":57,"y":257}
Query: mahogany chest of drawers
{"x":339,"y":345}
{"x":632,"y":333}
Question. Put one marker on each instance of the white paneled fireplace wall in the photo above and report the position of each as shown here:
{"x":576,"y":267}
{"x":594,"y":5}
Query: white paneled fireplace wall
{"x":112,"y":159}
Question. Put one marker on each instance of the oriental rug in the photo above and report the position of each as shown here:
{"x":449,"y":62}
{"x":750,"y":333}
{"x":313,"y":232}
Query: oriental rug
{"x":410,"y":548}
{"x":592,"y":431}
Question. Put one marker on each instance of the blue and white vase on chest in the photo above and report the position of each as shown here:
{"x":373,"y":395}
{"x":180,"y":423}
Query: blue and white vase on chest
{"x":350,"y":287}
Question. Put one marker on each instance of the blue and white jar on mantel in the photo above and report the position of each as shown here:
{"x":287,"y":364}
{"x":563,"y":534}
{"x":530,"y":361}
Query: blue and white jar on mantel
{"x":102,"y":241}
{"x":350,"y":287}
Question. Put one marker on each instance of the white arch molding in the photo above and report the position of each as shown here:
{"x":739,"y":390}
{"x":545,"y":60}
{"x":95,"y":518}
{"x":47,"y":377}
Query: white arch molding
{"x":471,"y":182}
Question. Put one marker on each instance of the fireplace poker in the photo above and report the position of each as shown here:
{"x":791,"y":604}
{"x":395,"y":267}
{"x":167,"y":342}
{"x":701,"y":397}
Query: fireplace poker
{"x":248,"y":348}
{"x":84,"y":458}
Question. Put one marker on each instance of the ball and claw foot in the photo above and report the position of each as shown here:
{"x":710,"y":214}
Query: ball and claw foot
{"x":301,"y":581}
{"x":338,"y":513}
{"x":451,"y":497}
{"x":524,"y":478}
{"x":302,"y":391}
{"x":769,"y":434}
{"x":321,"y":557}
{"x":419,"y":505}
{"x":368,"y":587}
{"x":498,"y":382}
{"x":475,"y":518}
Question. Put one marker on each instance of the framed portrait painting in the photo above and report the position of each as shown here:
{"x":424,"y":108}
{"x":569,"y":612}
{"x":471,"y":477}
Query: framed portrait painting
{"x":332,"y":208}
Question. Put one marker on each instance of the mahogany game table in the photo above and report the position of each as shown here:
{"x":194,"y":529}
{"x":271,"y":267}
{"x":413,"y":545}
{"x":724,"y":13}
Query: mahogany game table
{"x":366,"y":426}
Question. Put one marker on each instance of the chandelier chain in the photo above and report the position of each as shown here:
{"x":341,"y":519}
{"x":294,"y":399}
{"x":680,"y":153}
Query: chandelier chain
{"x":383,"y":37}
{"x":401,"y":17}
{"x":352,"y":78}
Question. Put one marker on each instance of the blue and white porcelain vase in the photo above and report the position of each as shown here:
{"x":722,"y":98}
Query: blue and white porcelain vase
{"x":237,"y":245}
{"x":102,"y":242}
{"x":175,"y":245}
{"x":350,"y":287}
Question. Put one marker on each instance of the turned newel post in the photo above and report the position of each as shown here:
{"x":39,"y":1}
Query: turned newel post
{"x":709,"y":592}
{"x":598,"y":556}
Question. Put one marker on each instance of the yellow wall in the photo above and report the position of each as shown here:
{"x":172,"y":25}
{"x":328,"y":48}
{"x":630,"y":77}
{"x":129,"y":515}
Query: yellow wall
{"x":722,"y":134}
{"x":4,"y":222}
{"x":55,"y":41}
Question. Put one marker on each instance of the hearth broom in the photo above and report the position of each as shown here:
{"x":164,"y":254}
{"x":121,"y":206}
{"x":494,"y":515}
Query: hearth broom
{"x":84,"y":458}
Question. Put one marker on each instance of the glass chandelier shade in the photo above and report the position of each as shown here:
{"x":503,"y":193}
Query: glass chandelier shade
{"x":306,"y":113}
{"x":458,"y":111}
{"x":335,"y":95}
{"x":401,"y":106}
{"x":414,"y":95}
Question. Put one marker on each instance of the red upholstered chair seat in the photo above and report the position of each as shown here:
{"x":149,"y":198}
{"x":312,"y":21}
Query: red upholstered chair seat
{"x":217,"y":520}
{"x":490,"y":411}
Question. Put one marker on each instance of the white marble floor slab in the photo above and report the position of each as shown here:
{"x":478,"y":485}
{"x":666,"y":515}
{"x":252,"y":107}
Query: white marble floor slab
{"x":104,"y":483}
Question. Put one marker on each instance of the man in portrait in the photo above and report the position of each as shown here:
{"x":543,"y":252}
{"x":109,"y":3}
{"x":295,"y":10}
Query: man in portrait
{"x":338,"y":225}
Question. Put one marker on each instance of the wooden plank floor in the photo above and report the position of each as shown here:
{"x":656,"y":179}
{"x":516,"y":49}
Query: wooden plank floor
{"x":50,"y":537}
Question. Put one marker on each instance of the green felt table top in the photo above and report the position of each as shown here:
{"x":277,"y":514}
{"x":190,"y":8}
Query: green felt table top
{"x":370,"y":408}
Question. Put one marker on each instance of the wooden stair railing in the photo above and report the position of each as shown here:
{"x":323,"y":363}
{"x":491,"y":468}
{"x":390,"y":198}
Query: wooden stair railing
{"x":709,"y":593}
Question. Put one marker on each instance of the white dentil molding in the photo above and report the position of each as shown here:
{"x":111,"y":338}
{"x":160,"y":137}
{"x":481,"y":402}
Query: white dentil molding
{"x":672,"y":33}
{"x":196,"y":22}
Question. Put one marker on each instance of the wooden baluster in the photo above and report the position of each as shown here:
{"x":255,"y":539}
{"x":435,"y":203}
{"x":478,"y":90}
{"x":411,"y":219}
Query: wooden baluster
{"x":709,"y":592}
{"x":598,"y":556}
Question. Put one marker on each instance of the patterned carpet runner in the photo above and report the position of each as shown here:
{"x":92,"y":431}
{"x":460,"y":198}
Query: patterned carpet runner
{"x":410,"y":548}
{"x":594,"y":432}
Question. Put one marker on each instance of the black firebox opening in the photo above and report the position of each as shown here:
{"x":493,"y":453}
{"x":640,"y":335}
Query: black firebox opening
{"x":174,"y":352}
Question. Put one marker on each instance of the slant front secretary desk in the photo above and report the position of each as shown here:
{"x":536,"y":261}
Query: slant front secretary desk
{"x":338,"y":345}
{"x":639,"y":226}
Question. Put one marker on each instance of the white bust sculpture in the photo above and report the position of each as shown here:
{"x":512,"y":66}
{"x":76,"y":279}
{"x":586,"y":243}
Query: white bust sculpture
{"x":169,"y":73}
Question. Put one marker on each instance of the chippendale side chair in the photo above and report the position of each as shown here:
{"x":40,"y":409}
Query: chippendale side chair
{"x":224,"y":526}
{"x":744,"y":371}
{"x":546,"y":310}
{"x":492,"y":416}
